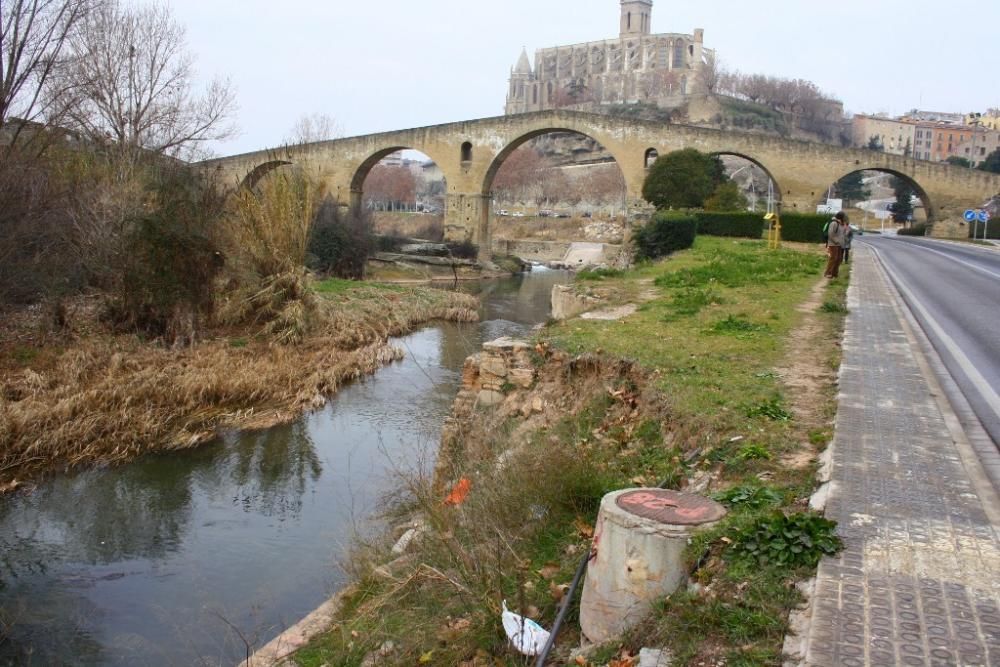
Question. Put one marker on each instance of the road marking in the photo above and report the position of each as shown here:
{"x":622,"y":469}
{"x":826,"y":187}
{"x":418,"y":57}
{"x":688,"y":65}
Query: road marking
{"x":955,"y":259}
{"x":985,"y":390}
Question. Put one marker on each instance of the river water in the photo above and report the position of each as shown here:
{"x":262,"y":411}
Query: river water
{"x":169,"y":560}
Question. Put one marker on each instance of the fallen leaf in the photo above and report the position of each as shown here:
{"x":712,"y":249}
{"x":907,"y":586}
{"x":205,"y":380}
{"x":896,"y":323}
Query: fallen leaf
{"x":581,"y":661}
{"x":549,"y":570}
{"x":558,"y":591}
{"x":459,"y":492}
{"x":426,"y":657}
{"x":584,"y":528}
{"x":460,"y":624}
{"x":354,"y":633}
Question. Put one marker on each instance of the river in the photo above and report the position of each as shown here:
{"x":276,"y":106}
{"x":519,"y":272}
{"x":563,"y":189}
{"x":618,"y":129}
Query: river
{"x":177,"y":559}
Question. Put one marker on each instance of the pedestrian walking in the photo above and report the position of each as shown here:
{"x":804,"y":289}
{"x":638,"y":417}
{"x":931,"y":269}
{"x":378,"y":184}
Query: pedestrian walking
{"x":848,"y":238}
{"x":835,"y":245}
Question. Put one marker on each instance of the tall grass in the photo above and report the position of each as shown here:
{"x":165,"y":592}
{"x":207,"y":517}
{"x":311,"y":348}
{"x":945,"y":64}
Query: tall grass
{"x":109,"y":399}
{"x":266,"y":235}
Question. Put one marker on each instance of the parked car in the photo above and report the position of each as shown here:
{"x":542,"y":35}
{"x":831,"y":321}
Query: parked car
{"x":544,"y":214}
{"x":503,"y":212}
{"x":517,"y":214}
{"x":562,"y":215}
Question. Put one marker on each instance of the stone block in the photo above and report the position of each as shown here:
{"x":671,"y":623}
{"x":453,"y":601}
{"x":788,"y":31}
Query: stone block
{"x":489,"y":399}
{"x":522,"y":377}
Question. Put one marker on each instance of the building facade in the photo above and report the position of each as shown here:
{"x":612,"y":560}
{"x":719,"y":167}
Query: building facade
{"x":897,"y":137}
{"x":663,"y":69}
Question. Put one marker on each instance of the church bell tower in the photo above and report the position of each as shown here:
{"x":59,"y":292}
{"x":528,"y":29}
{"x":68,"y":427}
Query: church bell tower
{"x":636,"y":17}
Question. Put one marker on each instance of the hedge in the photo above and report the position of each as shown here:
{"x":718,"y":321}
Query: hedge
{"x":915,"y":230}
{"x":738,"y":223}
{"x":803,"y":227}
{"x":664,"y":234}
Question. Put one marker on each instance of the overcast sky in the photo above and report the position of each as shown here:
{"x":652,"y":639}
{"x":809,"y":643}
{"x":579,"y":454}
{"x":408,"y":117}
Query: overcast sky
{"x":377,"y":65}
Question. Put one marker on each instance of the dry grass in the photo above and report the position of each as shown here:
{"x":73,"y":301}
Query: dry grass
{"x":519,"y":532}
{"x":87,"y":397}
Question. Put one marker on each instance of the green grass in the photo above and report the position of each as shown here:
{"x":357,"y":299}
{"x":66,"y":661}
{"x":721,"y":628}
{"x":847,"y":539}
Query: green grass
{"x":710,"y":338}
{"x":711,"y":378}
{"x":338,"y":286}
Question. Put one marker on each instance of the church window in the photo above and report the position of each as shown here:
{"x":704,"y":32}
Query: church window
{"x":467,"y":152}
{"x":678,"y":55}
{"x":630,"y":20}
{"x":691,"y":50}
{"x":534,"y":94}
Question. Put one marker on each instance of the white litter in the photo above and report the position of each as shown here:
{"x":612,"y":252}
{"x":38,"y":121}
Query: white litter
{"x":527,"y":636}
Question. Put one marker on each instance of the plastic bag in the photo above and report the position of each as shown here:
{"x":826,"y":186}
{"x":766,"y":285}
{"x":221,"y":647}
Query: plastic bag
{"x":527,"y":636}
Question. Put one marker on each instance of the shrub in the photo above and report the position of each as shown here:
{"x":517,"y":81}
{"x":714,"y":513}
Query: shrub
{"x":664,"y":234}
{"x":915,"y":230}
{"x":788,"y":541}
{"x":803,"y":227}
{"x":339,"y":243}
{"x":736,"y":224}
{"x":683,"y":179}
{"x":167,"y":278}
{"x":727,"y":197}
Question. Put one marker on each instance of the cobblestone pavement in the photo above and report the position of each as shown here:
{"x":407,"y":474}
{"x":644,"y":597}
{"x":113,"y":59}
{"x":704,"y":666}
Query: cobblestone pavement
{"x":919,"y":580}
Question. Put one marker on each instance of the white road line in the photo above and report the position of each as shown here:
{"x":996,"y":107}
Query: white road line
{"x":955,"y":259}
{"x":985,"y":390}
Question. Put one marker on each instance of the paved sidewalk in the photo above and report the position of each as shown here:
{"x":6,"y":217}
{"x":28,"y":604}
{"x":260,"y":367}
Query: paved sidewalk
{"x":919,"y":580}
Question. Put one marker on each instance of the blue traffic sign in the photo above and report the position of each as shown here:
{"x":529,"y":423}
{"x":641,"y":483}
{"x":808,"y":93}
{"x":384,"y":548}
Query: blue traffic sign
{"x":970,"y":216}
{"x":984,"y":216}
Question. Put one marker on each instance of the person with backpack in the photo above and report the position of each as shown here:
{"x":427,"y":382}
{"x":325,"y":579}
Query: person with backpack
{"x":835,"y":237}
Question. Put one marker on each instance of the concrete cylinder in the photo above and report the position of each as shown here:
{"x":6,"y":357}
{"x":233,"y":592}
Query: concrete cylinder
{"x":639,"y":541}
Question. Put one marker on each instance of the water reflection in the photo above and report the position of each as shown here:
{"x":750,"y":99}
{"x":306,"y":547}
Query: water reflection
{"x":152,"y":563}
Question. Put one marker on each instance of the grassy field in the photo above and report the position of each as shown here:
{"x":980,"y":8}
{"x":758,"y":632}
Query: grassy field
{"x":724,"y":379}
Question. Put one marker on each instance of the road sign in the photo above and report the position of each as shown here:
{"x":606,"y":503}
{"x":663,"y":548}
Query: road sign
{"x":970,"y":216}
{"x":984,"y":216}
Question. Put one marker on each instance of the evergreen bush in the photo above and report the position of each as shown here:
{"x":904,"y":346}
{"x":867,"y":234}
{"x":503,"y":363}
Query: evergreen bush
{"x":803,"y":227}
{"x":664,"y":234}
{"x":339,"y":243}
{"x":738,"y":224}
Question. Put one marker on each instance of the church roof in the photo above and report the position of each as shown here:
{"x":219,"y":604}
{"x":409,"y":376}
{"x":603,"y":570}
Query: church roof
{"x":523,"y":64}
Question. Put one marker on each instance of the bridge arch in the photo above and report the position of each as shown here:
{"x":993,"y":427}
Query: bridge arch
{"x":524,"y":138}
{"x":364,"y":168}
{"x":918,"y":190}
{"x":484,"y":232}
{"x":256,"y":174}
{"x":751,"y":160}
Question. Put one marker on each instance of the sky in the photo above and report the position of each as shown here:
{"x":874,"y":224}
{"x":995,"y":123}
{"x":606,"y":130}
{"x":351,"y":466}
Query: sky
{"x":379,"y":65}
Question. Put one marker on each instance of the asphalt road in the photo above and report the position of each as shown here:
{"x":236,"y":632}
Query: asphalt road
{"x":954,"y":292}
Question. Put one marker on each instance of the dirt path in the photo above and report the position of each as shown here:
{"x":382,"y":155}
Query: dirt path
{"x":805,"y":375}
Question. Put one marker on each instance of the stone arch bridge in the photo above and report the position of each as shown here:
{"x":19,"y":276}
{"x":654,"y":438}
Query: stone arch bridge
{"x":470,"y":152}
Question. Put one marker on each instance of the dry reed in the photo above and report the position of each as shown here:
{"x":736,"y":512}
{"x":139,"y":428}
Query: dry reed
{"x":109,"y":399}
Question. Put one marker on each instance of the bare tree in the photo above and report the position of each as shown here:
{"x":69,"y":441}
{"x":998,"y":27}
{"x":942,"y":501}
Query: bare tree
{"x":33,"y":37}
{"x":136,"y":83}
{"x":314,"y":127}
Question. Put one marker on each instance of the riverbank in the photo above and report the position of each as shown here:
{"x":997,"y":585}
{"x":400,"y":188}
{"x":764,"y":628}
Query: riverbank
{"x":82,"y":396}
{"x":722,"y":382}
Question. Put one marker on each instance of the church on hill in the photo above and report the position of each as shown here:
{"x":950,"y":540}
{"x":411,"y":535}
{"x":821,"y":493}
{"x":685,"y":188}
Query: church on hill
{"x":664,"y":69}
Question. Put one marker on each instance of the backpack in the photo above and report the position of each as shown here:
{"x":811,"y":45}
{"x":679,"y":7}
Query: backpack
{"x":826,"y":232}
